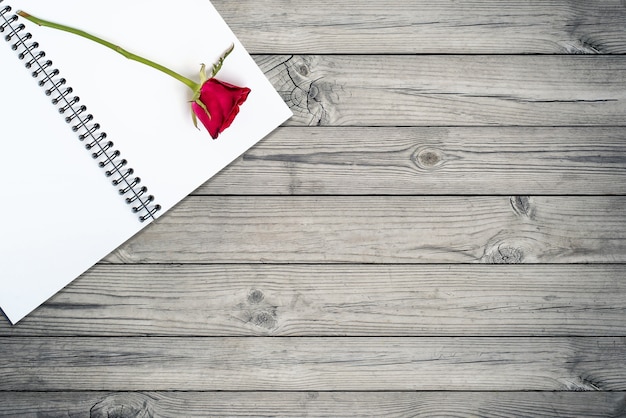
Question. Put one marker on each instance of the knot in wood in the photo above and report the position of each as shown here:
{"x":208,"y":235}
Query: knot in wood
{"x":522,"y":206}
{"x":311,"y":98}
{"x":505,"y":254}
{"x":264,"y":319}
{"x":124,"y":405}
{"x":314,"y":91}
{"x":312,"y":395}
{"x":303,"y":70}
{"x":255,"y":297}
{"x":257,"y":311}
{"x":428,"y":158}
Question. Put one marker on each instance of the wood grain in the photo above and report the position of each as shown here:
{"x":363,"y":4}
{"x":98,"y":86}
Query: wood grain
{"x":433,"y":143}
{"x":450,"y":90}
{"x":385,"y":229}
{"x":339,"y":300}
{"x":421,"y":26}
{"x":426,"y":160}
{"x":312,"y":404}
{"x":302,"y":364}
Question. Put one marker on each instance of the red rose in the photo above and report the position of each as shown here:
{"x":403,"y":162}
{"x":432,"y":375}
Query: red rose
{"x":214,"y":102}
{"x":222,"y":101}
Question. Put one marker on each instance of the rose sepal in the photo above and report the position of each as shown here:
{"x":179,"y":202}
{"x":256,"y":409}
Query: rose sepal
{"x":203,"y":79}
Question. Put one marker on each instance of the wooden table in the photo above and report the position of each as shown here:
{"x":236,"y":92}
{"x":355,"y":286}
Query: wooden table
{"x":439,"y":230}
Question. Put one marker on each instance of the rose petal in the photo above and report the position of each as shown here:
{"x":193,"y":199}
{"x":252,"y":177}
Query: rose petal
{"x":222,"y":100}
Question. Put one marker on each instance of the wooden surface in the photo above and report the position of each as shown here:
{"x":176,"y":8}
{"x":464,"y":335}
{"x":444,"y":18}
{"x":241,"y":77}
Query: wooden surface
{"x":440,"y":230}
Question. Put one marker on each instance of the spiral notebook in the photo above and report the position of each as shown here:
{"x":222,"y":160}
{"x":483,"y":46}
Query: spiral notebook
{"x":95,"y":147}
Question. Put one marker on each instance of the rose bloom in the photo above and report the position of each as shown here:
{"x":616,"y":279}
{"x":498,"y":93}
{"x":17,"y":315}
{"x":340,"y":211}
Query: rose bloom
{"x":222,"y":101}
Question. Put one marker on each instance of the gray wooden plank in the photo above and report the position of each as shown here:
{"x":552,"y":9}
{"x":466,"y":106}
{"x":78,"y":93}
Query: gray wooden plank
{"x":336,"y":300}
{"x":427,"y":160}
{"x":298,"y":364}
{"x":312,"y":404}
{"x":422,"y":26}
{"x":390,"y":229}
{"x":450,"y":90}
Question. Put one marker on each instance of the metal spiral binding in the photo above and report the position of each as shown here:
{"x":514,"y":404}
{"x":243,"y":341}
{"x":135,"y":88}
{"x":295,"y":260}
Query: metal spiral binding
{"x":88,"y":131}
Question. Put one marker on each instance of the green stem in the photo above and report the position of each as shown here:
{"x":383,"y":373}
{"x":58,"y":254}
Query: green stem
{"x":189,"y":83}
